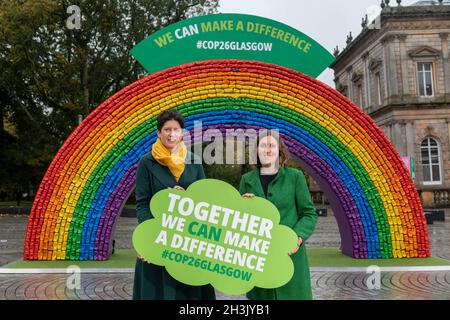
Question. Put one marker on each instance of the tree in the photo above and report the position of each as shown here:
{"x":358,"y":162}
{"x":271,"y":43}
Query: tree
{"x":52,"y":74}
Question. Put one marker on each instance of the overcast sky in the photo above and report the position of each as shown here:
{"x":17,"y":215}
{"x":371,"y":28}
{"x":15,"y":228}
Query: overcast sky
{"x":326,"y":21}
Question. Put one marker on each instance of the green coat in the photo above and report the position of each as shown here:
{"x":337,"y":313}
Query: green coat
{"x":152,"y":282}
{"x":289,"y":193}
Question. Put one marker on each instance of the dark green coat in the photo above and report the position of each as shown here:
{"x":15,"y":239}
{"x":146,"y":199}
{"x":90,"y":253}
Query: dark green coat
{"x":152,"y":282}
{"x":289,"y":192}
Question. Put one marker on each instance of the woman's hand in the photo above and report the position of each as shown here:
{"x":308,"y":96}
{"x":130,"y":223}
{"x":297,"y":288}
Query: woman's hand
{"x":142,"y":259}
{"x":248,"y":195}
{"x":299,"y":243}
{"x":179,"y":188}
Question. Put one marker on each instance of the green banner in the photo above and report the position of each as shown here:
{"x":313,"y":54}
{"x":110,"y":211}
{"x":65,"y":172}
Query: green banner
{"x":232,"y":36}
{"x":210,"y":234}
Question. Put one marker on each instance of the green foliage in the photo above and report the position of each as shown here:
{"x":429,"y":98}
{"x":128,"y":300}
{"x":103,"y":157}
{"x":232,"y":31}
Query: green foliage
{"x":51,"y":74}
{"x":225,"y":172}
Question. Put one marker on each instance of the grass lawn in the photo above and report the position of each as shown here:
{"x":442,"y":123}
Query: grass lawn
{"x":332,"y":257}
{"x":318,"y":257}
{"x":14,"y":203}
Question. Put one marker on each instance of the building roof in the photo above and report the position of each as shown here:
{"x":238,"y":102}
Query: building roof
{"x":421,"y":9}
{"x":429,"y":3}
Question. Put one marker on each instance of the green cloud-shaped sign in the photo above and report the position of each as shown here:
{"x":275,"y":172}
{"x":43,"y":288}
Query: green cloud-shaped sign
{"x":211,"y":234}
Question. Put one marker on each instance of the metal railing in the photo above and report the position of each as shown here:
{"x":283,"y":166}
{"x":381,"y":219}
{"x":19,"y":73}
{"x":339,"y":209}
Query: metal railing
{"x":441,"y":197}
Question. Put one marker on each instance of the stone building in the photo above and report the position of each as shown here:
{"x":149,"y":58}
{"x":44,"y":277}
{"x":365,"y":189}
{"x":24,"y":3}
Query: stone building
{"x":397,"y":70}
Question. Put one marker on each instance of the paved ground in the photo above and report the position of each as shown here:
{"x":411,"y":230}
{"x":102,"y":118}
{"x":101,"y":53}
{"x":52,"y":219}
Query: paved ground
{"x":326,"y":285}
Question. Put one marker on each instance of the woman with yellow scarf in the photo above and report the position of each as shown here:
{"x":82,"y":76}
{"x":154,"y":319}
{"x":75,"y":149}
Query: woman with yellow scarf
{"x":165,"y":167}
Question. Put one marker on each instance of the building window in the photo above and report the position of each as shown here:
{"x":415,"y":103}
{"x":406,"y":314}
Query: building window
{"x":357,"y":92}
{"x":378,"y":89}
{"x":431,"y":161}
{"x":342,"y":89}
{"x":359,"y":96}
{"x":425,"y":74}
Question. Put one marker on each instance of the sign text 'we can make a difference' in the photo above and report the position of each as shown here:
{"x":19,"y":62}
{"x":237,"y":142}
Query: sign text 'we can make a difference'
{"x":239,"y":26}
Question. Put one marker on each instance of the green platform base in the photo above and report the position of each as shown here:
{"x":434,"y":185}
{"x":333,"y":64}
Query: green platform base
{"x":333,"y":258}
{"x":121,"y":259}
{"x":318,"y":258}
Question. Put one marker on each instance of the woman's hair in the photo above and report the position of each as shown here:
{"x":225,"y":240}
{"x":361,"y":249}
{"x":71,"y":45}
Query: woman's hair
{"x":168,"y":115}
{"x":283,"y":153}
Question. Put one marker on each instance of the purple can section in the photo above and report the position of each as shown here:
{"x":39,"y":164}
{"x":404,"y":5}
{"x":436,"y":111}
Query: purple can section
{"x":353,"y":240}
{"x":107,"y":223}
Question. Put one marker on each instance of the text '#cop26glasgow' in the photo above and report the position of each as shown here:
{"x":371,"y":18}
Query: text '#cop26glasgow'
{"x":207,"y":265}
{"x":234,"y":45}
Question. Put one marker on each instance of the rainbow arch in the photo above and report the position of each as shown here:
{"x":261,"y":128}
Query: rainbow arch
{"x":374,"y":199}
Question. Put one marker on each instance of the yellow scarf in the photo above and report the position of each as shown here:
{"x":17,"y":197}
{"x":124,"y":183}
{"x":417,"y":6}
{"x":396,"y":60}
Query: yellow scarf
{"x":174,"y":161}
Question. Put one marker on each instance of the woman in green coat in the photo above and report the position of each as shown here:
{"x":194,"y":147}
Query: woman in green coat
{"x":165,"y":167}
{"x":286,"y":188}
